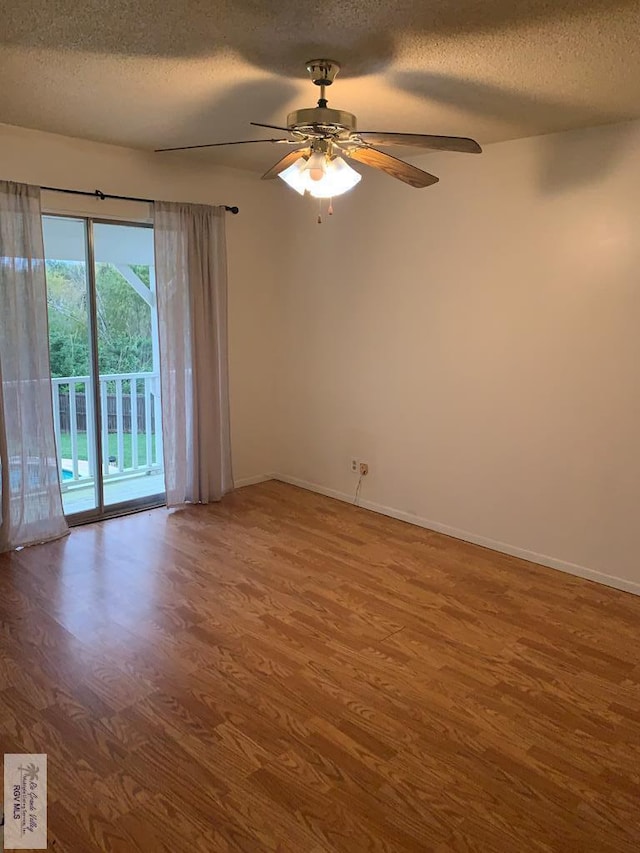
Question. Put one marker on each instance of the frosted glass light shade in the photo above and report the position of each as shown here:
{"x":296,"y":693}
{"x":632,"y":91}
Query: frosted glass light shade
{"x":316,"y":166}
{"x":338,"y":178}
{"x":294,"y":176}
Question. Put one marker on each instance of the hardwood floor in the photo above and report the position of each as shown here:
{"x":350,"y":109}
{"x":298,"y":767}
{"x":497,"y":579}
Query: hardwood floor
{"x":286,"y":672}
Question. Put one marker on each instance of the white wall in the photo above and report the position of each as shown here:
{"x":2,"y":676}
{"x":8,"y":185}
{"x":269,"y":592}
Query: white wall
{"x":478,"y":344}
{"x":253,"y":244}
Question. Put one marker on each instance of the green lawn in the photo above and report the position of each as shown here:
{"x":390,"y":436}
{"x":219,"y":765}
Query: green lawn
{"x":65,"y":450}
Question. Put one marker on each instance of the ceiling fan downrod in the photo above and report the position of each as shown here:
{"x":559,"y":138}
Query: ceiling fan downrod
{"x":322,"y":72}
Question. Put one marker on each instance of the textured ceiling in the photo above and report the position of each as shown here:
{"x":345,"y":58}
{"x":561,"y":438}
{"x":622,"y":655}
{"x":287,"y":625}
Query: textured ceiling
{"x":147,"y":73}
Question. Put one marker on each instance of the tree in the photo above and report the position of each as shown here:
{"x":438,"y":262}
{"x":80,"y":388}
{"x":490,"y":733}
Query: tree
{"x":123,"y":320}
{"x":68,"y":328}
{"x":124,"y":323}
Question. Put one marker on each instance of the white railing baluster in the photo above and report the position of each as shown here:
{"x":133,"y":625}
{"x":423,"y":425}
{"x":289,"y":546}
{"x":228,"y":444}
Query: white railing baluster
{"x":157,"y":413}
{"x":147,"y":420}
{"x":119,"y":425}
{"x":74,"y":429}
{"x":91,"y":435}
{"x":55,"y":390}
{"x":104,"y":426}
{"x":134,"y":422}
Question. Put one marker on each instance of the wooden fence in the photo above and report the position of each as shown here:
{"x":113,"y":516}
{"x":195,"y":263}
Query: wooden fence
{"x":112,"y":423}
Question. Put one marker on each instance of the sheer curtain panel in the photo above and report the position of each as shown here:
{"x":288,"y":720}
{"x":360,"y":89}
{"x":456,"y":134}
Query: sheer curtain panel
{"x":191,"y":285}
{"x":30,"y":498}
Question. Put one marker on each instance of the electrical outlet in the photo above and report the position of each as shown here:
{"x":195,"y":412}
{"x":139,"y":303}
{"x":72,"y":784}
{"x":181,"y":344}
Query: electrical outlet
{"x":355,"y":465}
{"x":363,"y":469}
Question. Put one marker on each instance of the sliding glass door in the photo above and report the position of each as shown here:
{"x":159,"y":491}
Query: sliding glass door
{"x":103,"y":336}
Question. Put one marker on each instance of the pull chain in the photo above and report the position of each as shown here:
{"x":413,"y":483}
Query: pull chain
{"x":329,"y":210}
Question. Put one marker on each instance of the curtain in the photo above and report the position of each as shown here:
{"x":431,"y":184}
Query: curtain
{"x":30,"y":497}
{"x":191,"y":286}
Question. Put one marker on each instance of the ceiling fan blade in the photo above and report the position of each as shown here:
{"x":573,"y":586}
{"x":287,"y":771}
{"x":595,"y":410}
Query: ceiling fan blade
{"x":422,"y":140}
{"x":216,"y":144}
{"x":392,"y":166}
{"x":272,"y":126}
{"x":285,"y":162}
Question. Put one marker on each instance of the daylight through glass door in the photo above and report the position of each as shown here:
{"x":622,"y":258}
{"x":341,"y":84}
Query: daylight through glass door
{"x":103,"y":336}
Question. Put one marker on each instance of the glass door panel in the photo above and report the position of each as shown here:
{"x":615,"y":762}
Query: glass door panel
{"x":68,"y":301}
{"x":129,"y":370}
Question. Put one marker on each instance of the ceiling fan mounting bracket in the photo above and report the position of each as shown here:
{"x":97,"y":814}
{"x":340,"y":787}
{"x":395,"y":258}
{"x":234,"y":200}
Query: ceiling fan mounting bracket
{"x":323,"y":71}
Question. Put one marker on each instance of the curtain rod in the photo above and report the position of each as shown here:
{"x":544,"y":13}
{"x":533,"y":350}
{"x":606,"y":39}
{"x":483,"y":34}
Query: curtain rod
{"x":99,"y":194}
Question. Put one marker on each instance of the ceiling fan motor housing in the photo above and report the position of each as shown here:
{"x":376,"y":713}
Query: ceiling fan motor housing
{"x":319,"y":119}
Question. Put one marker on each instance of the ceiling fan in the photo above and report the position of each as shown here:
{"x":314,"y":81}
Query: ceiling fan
{"x":322,"y":137}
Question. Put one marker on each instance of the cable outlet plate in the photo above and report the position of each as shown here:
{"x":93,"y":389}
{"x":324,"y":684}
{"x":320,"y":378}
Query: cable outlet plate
{"x":358,"y":467}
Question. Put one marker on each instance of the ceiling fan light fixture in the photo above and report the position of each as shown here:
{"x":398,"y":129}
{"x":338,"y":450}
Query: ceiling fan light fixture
{"x":339,"y":178}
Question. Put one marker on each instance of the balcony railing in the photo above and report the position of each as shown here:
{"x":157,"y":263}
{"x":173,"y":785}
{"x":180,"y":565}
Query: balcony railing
{"x":130,"y":427}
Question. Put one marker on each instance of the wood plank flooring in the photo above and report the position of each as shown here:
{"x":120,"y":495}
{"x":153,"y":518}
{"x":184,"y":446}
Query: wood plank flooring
{"x":283,"y":672}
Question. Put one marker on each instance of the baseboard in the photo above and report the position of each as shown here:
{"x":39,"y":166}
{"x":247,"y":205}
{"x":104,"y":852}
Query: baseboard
{"x":466,"y":536}
{"x":251,"y":481}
